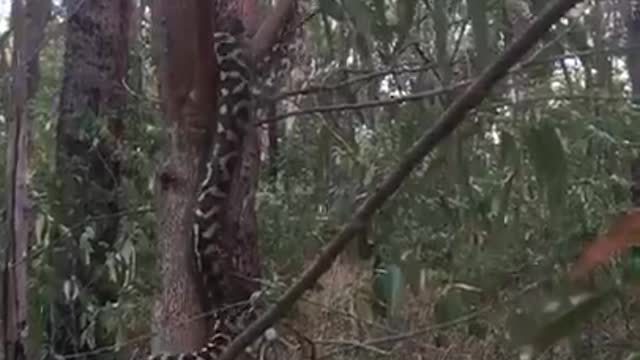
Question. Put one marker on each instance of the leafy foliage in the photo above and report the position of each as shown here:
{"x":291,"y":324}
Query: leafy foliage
{"x":503,"y":206}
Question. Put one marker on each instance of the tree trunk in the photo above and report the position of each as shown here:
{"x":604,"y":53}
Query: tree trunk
{"x":240,"y":234}
{"x":176,"y":50}
{"x":29,"y":19}
{"x":240,"y":240}
{"x":183,"y":36}
{"x":89,"y":135}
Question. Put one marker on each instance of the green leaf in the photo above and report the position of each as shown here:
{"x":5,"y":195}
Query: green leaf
{"x":42,"y":229}
{"x":332,"y":8}
{"x":602,"y":135}
{"x":86,"y":243}
{"x":388,"y":286}
{"x":110,"y":264}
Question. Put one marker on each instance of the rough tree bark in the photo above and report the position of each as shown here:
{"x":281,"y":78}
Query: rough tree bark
{"x":29,"y":19}
{"x":240,"y":236}
{"x":188,"y":83}
{"x":190,"y":123}
{"x":89,"y":132}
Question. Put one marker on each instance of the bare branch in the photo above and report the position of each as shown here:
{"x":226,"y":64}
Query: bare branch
{"x":369,"y":76}
{"x":368,"y":104}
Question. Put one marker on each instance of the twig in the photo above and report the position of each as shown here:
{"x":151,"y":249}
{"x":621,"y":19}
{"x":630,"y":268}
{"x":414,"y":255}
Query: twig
{"x":355,"y":79}
{"x":454,"y":115}
{"x":368,"y":104}
{"x":532,"y":61}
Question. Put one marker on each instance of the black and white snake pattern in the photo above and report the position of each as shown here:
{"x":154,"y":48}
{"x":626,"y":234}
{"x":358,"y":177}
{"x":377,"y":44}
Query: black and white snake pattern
{"x":234,"y":117}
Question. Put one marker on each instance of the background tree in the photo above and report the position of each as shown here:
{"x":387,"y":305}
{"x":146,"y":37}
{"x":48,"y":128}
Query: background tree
{"x":29,"y":19}
{"x":85,"y":190}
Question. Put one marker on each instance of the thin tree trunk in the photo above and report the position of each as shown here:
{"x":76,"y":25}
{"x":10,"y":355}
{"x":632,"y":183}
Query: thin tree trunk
{"x":29,"y":19}
{"x":14,"y":309}
{"x":88,"y":165}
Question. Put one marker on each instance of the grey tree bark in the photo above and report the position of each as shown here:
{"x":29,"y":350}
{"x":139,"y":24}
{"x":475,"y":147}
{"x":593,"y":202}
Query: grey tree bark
{"x":88,"y":156}
{"x":29,"y":19}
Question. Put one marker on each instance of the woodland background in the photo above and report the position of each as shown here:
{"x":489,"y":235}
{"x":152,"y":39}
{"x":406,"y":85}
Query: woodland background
{"x":464,"y":262}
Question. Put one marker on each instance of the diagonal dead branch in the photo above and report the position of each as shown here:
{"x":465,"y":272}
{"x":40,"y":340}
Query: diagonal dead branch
{"x":451,"y":118}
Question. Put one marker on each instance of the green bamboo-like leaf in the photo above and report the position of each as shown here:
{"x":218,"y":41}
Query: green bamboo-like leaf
{"x":86,"y":243}
{"x":42,"y":229}
{"x":602,"y":134}
{"x":388,"y":286}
